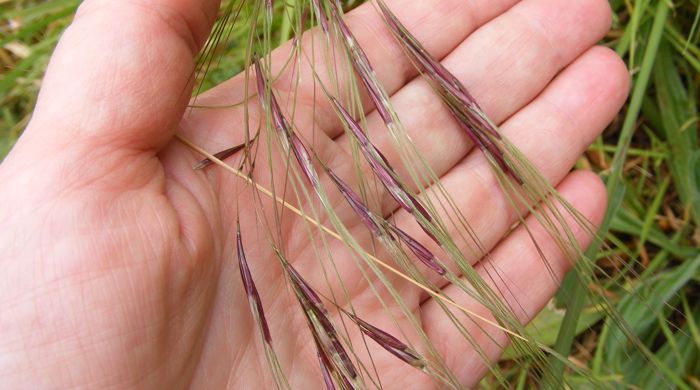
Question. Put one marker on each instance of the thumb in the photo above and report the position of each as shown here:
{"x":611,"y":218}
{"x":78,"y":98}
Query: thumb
{"x":120,"y":76}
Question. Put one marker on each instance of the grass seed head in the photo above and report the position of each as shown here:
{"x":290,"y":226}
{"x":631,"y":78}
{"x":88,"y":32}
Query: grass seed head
{"x":304,"y":160}
{"x":356,"y":203}
{"x":250,"y":289}
{"x":390,"y":343}
{"x":323,"y":328}
{"x":453,"y":93}
{"x":380,"y":166}
{"x":421,"y":252}
{"x":363,"y":67}
{"x":288,"y":137}
{"x":222,"y":155}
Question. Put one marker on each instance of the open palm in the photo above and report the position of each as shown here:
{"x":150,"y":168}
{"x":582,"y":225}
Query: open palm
{"x":118,"y":262}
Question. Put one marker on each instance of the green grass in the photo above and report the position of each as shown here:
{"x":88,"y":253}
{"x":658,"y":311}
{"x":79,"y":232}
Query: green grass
{"x":649,"y":157}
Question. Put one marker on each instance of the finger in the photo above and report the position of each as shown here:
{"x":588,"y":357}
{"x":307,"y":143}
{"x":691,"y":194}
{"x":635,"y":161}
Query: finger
{"x":519,"y":275}
{"x":440,"y":24}
{"x":505,"y":64}
{"x":121,"y":75}
{"x":552,"y":131}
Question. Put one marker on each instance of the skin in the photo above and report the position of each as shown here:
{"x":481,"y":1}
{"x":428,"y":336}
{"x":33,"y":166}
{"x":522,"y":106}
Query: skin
{"x":118,"y":264}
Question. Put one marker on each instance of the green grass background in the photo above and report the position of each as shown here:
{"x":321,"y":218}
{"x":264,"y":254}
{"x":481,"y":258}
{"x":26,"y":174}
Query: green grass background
{"x":649,"y":156}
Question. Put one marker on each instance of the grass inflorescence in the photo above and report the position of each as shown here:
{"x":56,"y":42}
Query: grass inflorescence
{"x":627,"y":315}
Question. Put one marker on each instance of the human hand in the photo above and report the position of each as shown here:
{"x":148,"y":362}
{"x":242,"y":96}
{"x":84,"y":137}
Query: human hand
{"x":119,"y":265}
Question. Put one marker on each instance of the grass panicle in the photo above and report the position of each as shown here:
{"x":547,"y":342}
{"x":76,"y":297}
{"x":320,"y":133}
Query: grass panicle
{"x":452,"y":92}
{"x":322,"y":328}
{"x":224,"y":154}
{"x":418,"y":249}
{"x":251,"y":291}
{"x":256,"y":309}
{"x":361,"y":210}
{"x":370,"y":221}
{"x":623,"y":319}
{"x":395,"y":346}
{"x":380,"y":166}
